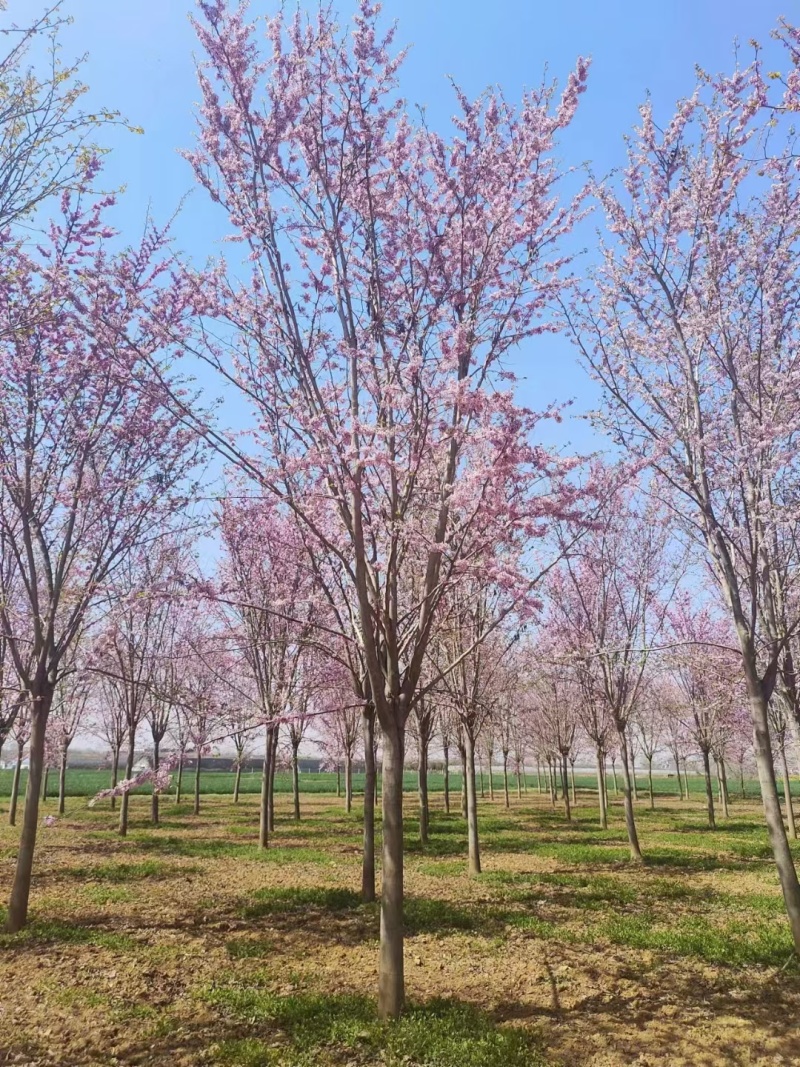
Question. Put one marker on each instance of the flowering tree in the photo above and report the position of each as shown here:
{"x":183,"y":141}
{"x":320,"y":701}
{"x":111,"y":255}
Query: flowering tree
{"x":267,"y":588}
{"x":706,"y":676}
{"x":109,"y":724}
{"x":691,"y":325}
{"x":69,"y":712}
{"x":90,"y":459}
{"x":422,"y":261}
{"x":609,"y":603}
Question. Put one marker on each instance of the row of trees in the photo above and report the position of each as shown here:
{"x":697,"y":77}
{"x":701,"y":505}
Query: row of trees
{"x":396,"y":541}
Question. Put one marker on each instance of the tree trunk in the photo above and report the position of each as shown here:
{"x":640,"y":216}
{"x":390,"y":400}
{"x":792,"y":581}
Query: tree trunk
{"x":491,"y":776}
{"x":422,"y":784}
{"x":179,"y":786}
{"x":197,"y":784}
{"x":154,"y":813}
{"x":295,"y":783}
{"x":632,"y":758}
{"x":572,"y":781}
{"x":446,"y":780}
{"x":601,"y":787}
{"x":338,"y":781}
{"x":627,"y":790}
{"x":391,"y":978}
{"x":125,"y":799}
{"x":115,"y":775}
{"x":273,"y":766}
{"x":769,"y":796}
{"x":524,"y":778}
{"x":686,"y":778}
{"x":614,"y":772}
{"x":480,"y":769}
{"x":551,"y":773}
{"x":21,"y":887}
{"x":677,"y":759}
{"x":463,"y":752}
{"x":473,"y":846}
{"x":44,"y":784}
{"x":62,"y":783}
{"x":505,"y":779}
{"x":723,"y":777}
{"x":348,"y":782}
{"x":787,"y":794}
{"x":538,"y":777}
{"x":519,"y":783}
{"x":368,"y":858}
{"x":565,"y":786}
{"x":12,"y":811}
{"x":650,"y":782}
{"x":263,"y":822}
{"x":741,"y":781}
{"x":237,"y":783}
{"x":709,"y":789}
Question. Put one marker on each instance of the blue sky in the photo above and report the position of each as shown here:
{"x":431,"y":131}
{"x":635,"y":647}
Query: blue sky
{"x":140,"y":61}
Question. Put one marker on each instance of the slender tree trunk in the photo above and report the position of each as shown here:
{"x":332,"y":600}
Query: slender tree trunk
{"x":21,"y":887}
{"x":12,"y":811}
{"x":237,"y":782}
{"x":480,"y":768}
{"x":263,"y":823}
{"x":197,"y":783}
{"x":348,"y":782}
{"x":463,"y":753}
{"x":627,"y":789}
{"x":614,"y":773}
{"x":422,"y":784}
{"x":769,"y":797}
{"x":723,"y":777}
{"x":551,"y":773}
{"x":709,"y":789}
{"x":115,"y":774}
{"x":565,"y":786}
{"x":787,"y":794}
{"x":686,"y":778}
{"x":524,"y":778}
{"x":676,"y":757}
{"x":125,"y":799}
{"x":179,"y":786}
{"x":472,"y":809}
{"x":632,"y":758}
{"x":505,"y":779}
{"x":62,"y":782}
{"x":519,"y":782}
{"x":391,"y":978}
{"x":44,"y":783}
{"x":538,"y":778}
{"x":338,"y":781}
{"x":741,"y":781}
{"x":446,"y":779}
{"x":295,"y":783}
{"x":368,"y":857}
{"x":491,"y":776}
{"x":273,"y":766}
{"x":601,"y":787}
{"x":572,"y":782}
{"x":154,"y":812}
{"x":650,"y":782}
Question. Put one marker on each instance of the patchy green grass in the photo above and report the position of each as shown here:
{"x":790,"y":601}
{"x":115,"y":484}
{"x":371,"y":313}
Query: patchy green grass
{"x":187,"y":936}
{"x":53,"y":931}
{"x":314,"y":1030}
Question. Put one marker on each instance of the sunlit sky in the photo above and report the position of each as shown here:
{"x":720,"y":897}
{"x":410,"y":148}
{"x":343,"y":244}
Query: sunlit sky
{"x":141,"y":56}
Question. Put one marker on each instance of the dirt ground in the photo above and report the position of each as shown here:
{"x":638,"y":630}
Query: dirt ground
{"x":679,"y":962}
